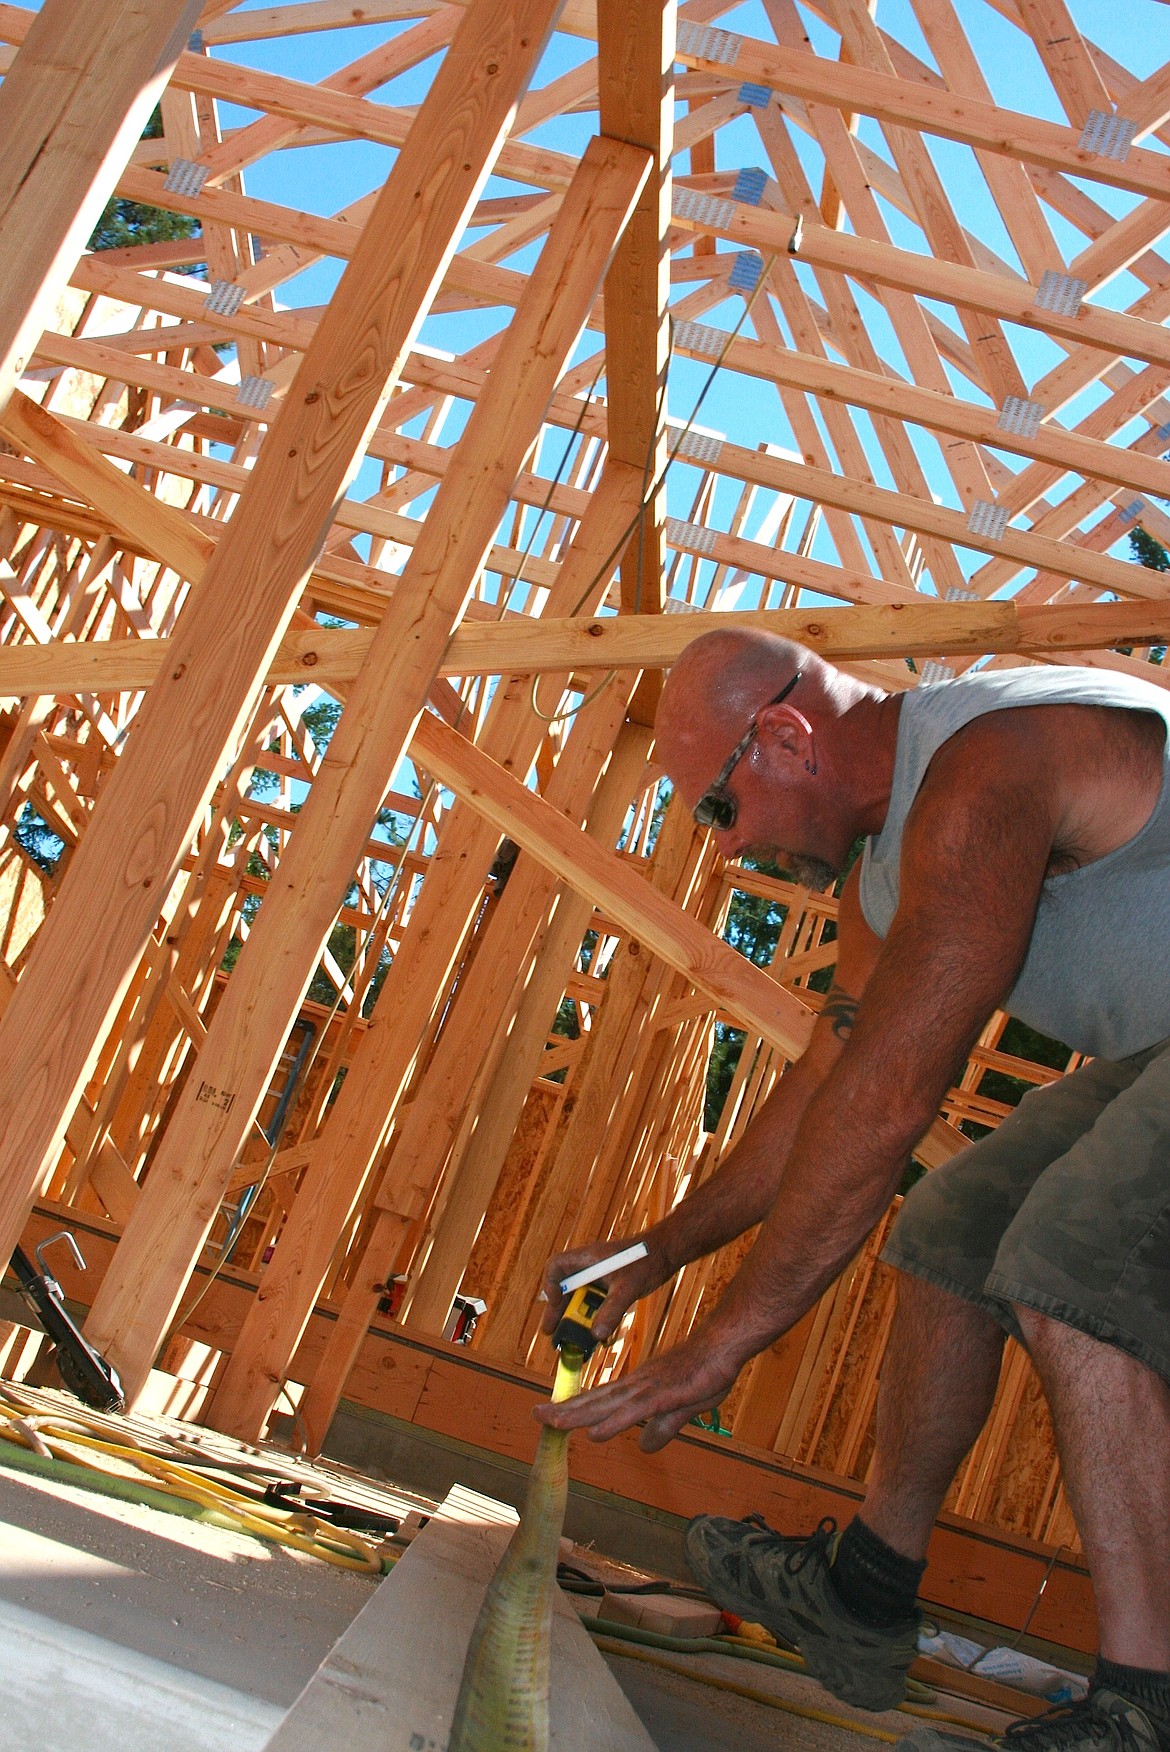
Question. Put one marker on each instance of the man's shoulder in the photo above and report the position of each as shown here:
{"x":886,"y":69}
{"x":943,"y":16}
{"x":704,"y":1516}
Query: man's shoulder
{"x":983,"y":750}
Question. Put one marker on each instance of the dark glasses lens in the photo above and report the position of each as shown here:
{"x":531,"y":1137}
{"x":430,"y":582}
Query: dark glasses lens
{"x":715,"y":810}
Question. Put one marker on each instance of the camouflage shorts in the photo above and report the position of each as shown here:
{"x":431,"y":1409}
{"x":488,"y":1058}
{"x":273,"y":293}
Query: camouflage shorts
{"x":1065,"y":1209}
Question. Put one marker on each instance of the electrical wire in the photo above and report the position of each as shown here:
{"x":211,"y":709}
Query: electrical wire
{"x":638,"y":521}
{"x":586,"y":404}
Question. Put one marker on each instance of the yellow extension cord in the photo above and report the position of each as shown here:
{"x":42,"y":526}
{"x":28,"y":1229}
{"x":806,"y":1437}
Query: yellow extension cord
{"x":616,"y":1645}
{"x":85,"y":1441}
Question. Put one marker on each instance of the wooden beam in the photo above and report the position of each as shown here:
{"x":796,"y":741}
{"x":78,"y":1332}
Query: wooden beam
{"x":309,"y":15}
{"x":191,"y":1172}
{"x":393,"y":1678}
{"x":227,"y":634}
{"x":333,"y":658}
{"x":840,"y":634}
{"x":72,"y":107}
{"x":635,"y":83}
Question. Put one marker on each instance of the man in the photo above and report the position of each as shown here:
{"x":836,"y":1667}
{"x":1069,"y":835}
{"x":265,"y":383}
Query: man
{"x":1017,"y":855}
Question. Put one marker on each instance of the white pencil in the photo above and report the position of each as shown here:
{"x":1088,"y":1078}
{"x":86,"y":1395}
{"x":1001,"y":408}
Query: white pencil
{"x":591,"y":1273}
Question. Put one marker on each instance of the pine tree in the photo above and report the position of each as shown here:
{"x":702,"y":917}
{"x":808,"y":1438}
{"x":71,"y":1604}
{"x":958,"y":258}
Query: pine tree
{"x":125,"y":223}
{"x":1147,"y":551}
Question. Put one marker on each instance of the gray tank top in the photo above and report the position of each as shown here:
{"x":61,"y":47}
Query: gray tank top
{"x":1097,"y":973}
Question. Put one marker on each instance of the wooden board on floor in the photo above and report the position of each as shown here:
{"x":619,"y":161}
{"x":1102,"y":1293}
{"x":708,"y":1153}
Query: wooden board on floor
{"x":390,"y":1684}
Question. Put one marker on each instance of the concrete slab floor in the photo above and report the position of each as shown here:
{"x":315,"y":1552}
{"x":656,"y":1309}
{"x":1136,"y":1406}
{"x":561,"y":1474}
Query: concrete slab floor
{"x":126,"y":1629}
{"x":105,"y":1605}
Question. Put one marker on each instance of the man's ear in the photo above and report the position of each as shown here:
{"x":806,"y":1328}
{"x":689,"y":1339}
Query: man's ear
{"x":785,"y":724}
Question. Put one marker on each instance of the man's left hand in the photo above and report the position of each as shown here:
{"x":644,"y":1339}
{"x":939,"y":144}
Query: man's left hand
{"x":664,"y":1393}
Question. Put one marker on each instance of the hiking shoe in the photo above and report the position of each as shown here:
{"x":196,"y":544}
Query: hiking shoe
{"x":1101,"y":1722}
{"x":785,"y":1585}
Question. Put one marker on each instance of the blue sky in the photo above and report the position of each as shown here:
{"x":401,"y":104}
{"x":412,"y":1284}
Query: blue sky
{"x":324,"y":179}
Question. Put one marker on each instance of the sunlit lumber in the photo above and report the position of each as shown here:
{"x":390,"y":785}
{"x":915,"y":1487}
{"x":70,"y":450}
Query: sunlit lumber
{"x":347,"y":926}
{"x":335,"y":656}
{"x":636,"y":102}
{"x":72,"y":106}
{"x":396,"y":1669}
{"x":841,"y":634}
{"x":162,"y":530}
{"x":1092,"y":325}
{"x":57,"y":1020}
{"x":278,"y":962}
{"x":647,"y":915}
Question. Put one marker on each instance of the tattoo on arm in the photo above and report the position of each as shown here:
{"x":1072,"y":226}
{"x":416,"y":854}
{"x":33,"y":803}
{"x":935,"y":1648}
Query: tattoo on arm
{"x":841,"y":1009}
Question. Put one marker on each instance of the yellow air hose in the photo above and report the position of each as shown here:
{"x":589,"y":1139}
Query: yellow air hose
{"x":87,"y":1449}
{"x":503,"y":1697}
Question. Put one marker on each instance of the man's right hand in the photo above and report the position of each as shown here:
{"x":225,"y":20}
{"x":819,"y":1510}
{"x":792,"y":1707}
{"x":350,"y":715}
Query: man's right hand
{"x":625,"y":1286}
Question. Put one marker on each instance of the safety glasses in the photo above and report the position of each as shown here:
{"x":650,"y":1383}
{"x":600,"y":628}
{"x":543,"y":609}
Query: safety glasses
{"x":717,"y":807}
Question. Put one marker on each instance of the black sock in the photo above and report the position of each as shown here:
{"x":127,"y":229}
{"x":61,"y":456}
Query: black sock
{"x":873,"y":1580}
{"x":1145,"y":1686}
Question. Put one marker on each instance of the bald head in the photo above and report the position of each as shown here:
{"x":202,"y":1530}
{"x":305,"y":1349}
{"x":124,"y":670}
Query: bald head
{"x":721,"y":680}
{"x":802,"y":788}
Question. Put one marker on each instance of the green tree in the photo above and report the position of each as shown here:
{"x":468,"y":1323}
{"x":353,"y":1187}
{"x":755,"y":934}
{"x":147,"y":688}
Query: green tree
{"x":754,"y":924}
{"x":1148,"y":552}
{"x":125,"y":223}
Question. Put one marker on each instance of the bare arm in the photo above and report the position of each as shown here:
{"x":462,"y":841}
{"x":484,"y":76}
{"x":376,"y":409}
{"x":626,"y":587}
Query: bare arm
{"x":744,"y":1190}
{"x":975,"y":852}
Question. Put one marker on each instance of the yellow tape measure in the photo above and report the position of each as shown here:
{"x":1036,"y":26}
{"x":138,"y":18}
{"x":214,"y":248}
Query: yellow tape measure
{"x":575,"y":1326}
{"x":503,"y":1698}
